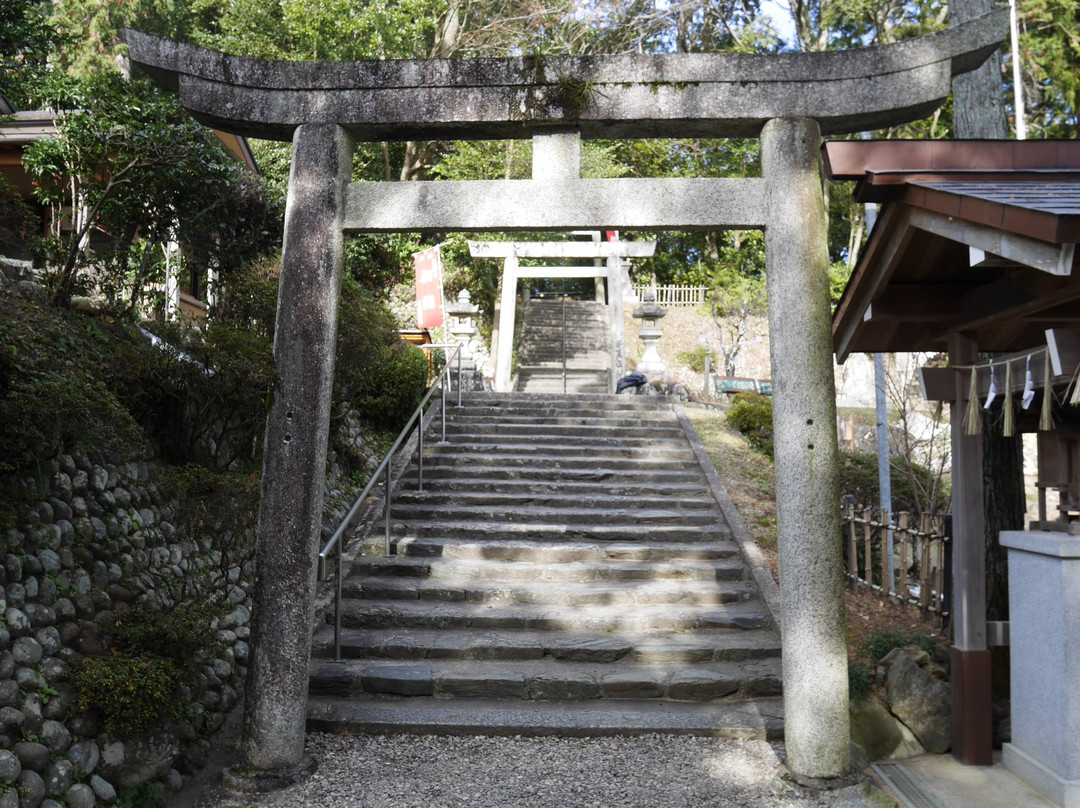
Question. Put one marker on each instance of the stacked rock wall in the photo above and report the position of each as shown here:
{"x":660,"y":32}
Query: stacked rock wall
{"x":94,"y":540}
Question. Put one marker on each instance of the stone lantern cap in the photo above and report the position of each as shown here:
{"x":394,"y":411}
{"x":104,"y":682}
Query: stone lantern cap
{"x":648,"y":310}
{"x":464,"y":306}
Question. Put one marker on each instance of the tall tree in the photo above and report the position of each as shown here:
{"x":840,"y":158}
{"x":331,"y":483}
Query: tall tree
{"x":26,"y":39}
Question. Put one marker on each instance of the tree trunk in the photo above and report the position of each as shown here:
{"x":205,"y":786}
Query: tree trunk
{"x":1003,"y":487}
{"x":978,"y":96}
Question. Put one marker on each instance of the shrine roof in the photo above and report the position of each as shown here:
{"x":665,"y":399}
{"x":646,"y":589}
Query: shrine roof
{"x":974,"y":236}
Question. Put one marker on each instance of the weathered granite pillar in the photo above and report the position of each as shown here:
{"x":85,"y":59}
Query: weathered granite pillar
{"x":807,"y":458}
{"x":294,"y":462}
{"x":615,"y":320}
{"x":503,"y":341}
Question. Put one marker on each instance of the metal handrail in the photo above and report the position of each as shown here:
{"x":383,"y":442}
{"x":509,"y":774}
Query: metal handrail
{"x":386,"y":468}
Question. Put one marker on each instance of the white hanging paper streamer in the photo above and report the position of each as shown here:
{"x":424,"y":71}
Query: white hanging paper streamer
{"x":992,"y":394}
{"x":1029,"y":387}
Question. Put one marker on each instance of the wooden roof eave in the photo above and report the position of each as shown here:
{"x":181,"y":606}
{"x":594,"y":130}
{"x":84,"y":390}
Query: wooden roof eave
{"x":888,"y":239}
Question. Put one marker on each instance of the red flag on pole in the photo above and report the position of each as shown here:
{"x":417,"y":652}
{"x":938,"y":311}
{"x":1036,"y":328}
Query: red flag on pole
{"x":429,"y":295}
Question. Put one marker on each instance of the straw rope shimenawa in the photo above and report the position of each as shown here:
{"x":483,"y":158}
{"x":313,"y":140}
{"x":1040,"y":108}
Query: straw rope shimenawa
{"x":973,"y":414}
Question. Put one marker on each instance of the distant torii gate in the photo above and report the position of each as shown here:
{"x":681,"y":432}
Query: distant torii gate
{"x":788,"y":100}
{"x":611,"y":252}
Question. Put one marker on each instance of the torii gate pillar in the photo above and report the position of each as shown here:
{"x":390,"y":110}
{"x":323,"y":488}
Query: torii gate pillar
{"x":807,"y":456}
{"x":294,"y":461}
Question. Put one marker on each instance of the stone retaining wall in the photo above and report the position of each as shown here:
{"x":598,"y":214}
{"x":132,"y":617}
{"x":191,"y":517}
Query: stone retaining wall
{"x":96,"y":539}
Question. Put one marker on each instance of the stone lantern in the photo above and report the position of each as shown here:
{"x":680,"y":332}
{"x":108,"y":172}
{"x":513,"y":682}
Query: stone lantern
{"x":464,"y":328}
{"x":473,"y":351}
{"x":648,"y":312}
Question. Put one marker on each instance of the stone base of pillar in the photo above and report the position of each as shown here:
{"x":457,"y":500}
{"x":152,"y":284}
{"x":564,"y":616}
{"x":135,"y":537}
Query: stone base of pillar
{"x":245,"y":780}
{"x":972,"y":717}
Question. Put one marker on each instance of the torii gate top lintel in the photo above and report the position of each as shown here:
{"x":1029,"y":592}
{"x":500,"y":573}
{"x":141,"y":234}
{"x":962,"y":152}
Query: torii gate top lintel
{"x":627,"y":96}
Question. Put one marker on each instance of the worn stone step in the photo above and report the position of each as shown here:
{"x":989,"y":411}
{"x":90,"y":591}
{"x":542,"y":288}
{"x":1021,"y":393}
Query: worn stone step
{"x":752,"y":719}
{"x":596,"y":647}
{"x":460,"y":573}
{"x":641,"y":518}
{"x":598,"y":443}
{"x":610,"y":421}
{"x":585,"y":499}
{"x":656,"y":553}
{"x":555,"y":531}
{"x":497,"y":474}
{"x":541,"y":460}
{"x":626,"y":485}
{"x":576,"y":593}
{"x":547,"y":386}
{"x":544,"y":680}
{"x":489,"y":617}
{"x":645,"y":450}
{"x":521,"y":402}
{"x":528,"y":426}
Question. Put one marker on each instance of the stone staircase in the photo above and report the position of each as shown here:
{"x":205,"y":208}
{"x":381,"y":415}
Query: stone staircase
{"x":540,"y":350}
{"x":566,"y":570}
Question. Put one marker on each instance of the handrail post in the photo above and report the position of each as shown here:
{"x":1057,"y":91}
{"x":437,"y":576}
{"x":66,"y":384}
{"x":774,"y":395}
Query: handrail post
{"x":420,"y":453}
{"x":458,"y":378}
{"x":386,"y":506}
{"x":337,"y":605}
{"x":442,"y":406}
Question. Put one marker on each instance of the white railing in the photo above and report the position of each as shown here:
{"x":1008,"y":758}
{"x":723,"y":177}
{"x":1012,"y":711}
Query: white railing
{"x":673,"y":295}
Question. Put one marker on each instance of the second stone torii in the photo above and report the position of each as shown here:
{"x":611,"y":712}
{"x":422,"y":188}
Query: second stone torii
{"x":613,"y":253}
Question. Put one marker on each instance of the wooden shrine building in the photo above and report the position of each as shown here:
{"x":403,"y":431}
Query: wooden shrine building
{"x":973,"y":253}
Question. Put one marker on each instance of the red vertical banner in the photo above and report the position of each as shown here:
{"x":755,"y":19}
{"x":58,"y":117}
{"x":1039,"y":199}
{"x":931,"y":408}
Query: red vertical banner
{"x":429,"y":296}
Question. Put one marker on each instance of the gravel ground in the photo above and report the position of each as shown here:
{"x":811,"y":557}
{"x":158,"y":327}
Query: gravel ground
{"x":365,"y":771}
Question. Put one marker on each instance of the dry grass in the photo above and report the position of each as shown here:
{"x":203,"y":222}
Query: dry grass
{"x":748,"y":477}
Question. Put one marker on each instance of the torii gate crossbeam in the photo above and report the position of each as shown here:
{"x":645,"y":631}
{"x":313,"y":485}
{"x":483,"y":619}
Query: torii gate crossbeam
{"x":789,"y":99}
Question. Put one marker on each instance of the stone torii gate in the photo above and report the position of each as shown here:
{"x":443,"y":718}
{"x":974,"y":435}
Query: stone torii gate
{"x":789,"y":100}
{"x":611,"y":252}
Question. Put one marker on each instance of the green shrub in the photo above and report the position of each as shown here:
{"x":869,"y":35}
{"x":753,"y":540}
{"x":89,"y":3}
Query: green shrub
{"x":180,"y":635}
{"x":377,"y":374}
{"x":212,"y":398}
{"x":860,"y":682}
{"x":131,"y":692}
{"x":879,"y":644}
{"x":751,"y":414}
{"x":693,"y":359}
{"x":859,"y":478}
{"x":145,"y":795}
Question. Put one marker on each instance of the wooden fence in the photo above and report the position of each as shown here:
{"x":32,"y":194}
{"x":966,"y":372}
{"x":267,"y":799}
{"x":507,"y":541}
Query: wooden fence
{"x":920,"y":549}
{"x":674,"y":295}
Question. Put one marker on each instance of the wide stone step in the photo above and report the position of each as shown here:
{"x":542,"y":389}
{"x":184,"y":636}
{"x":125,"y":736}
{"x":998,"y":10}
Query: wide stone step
{"x":645,"y":450}
{"x":465,"y":574}
{"x":593,"y":647}
{"x":497,"y":474}
{"x":527,"y":497}
{"x":549,"y":386}
{"x":577,"y":593}
{"x":487,"y":398}
{"x":752,"y":719}
{"x":495,"y":441}
{"x":489,"y":617}
{"x":665,"y":425}
{"x":640,"y":518}
{"x":540,"y":460}
{"x":666,"y":554}
{"x":519,"y":401}
{"x":554,"y":531}
{"x":527,"y":426}
{"x":543,"y":680}
{"x":586,"y":485}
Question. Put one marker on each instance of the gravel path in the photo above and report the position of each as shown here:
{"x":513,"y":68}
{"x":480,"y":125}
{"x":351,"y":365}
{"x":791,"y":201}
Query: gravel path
{"x":365,"y":771}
